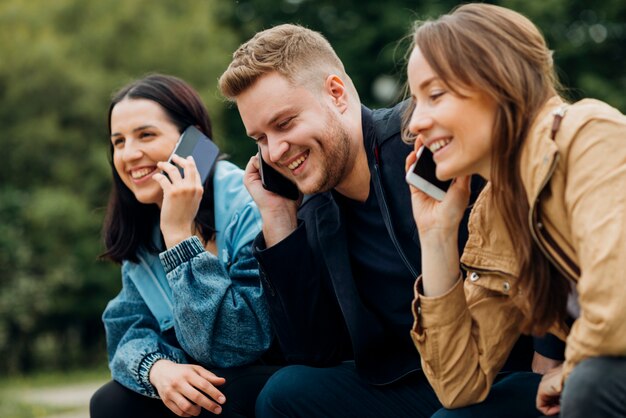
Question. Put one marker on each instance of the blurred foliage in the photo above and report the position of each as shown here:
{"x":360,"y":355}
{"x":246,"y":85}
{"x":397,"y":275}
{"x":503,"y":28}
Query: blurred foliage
{"x":61,"y":60}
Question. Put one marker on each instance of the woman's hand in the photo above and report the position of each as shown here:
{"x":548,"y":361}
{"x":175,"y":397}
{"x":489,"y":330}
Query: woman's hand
{"x":181,"y":199}
{"x":183,"y":388}
{"x":431,"y":214}
{"x":438,"y":226}
{"x":549,"y":392}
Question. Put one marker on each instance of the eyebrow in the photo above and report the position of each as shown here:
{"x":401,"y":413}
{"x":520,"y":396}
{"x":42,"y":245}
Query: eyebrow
{"x":279,"y":114}
{"x":139,"y":128}
{"x":427,"y":82}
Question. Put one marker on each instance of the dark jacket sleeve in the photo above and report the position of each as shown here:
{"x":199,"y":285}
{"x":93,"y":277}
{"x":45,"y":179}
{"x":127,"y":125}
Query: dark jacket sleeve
{"x":304,"y":311}
{"x":550,"y":346}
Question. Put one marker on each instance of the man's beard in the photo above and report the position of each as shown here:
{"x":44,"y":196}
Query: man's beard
{"x":334,"y":157}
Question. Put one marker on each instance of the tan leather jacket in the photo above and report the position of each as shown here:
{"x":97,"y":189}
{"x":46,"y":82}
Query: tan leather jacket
{"x":576,"y":186}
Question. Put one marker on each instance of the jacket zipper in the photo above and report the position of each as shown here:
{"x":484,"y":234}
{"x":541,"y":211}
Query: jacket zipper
{"x":387,"y":219}
{"x":536,"y":234}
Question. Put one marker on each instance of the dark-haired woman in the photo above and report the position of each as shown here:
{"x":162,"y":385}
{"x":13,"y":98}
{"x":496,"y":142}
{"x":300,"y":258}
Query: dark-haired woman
{"x":547,"y":244}
{"x":190,"y":318}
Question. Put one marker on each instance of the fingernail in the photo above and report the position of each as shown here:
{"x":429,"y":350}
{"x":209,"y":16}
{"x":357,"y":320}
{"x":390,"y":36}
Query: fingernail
{"x":221,"y":399}
{"x":217,"y":410}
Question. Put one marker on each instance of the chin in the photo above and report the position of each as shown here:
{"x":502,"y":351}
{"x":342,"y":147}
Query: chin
{"x":147,"y":200}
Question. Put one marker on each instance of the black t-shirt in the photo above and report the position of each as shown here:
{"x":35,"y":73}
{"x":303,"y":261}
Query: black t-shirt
{"x":383,"y":281}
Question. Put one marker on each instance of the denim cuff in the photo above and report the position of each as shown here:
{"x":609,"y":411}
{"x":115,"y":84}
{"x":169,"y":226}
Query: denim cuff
{"x":181,"y":253}
{"x":144,"y":372}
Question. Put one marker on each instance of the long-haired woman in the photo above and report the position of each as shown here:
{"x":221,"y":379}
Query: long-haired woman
{"x":191,"y":312}
{"x":547,"y":245}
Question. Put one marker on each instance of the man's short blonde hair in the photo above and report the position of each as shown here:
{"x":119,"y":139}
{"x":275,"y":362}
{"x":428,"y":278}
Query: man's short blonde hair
{"x":302,"y":56}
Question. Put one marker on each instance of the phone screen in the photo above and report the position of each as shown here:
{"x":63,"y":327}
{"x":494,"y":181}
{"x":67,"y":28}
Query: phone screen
{"x":275,"y":182}
{"x":422,"y":175}
{"x":204,"y":151}
{"x":425,"y":168}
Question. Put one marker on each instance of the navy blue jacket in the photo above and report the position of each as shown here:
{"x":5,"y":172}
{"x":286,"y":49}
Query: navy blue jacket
{"x":318,"y":316}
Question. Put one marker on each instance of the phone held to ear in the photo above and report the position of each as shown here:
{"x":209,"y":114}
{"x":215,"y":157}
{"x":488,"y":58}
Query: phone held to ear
{"x":200,"y":147}
{"x":422,"y":175}
{"x":275,"y":182}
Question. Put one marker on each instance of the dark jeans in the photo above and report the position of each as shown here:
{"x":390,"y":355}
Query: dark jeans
{"x":302,"y":391}
{"x":241,"y":389}
{"x":596,"y":388}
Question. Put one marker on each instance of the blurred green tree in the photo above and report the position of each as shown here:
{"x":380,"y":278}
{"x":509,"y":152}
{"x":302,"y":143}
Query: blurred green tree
{"x":60,"y":62}
{"x":371,"y":39}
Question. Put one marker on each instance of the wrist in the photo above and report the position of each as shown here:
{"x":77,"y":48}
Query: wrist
{"x":438,"y":237}
{"x":174,"y":236}
{"x":440,"y":262}
{"x":145,"y":372}
{"x":277,"y":225}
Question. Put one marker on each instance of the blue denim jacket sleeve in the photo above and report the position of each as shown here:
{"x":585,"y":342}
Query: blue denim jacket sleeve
{"x":134,"y":340}
{"x":221,"y":316}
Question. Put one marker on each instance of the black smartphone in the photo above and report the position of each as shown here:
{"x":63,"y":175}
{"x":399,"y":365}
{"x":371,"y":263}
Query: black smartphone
{"x":200,"y":147}
{"x":275,"y":182}
{"x":422,"y":175}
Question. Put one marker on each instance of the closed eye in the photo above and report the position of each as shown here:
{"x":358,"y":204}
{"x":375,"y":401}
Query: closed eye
{"x":435,"y":95}
{"x":285,"y":123}
{"x":258,"y":139}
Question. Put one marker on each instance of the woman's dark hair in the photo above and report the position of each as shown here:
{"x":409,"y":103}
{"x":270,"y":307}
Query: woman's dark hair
{"x":129,"y":224}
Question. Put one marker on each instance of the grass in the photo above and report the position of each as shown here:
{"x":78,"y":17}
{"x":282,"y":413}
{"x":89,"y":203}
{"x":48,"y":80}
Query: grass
{"x":13,"y":405}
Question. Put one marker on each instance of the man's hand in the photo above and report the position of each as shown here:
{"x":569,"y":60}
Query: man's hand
{"x":549,"y":393}
{"x":278,"y":213}
{"x":183,"y":388}
{"x":542,"y":364}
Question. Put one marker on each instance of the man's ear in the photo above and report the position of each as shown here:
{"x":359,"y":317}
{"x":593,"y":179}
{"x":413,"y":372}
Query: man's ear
{"x":337,"y":91}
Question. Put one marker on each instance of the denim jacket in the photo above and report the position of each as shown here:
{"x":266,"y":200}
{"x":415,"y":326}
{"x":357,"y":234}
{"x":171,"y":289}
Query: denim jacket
{"x":189,"y":306}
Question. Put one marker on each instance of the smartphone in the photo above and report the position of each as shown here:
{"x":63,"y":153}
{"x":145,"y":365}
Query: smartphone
{"x":275,"y":182}
{"x":422,"y":175}
{"x":200,"y":147}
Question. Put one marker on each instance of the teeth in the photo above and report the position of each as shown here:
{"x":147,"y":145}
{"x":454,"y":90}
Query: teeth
{"x":297,"y":163}
{"x":137,"y":174}
{"x":437,"y":145}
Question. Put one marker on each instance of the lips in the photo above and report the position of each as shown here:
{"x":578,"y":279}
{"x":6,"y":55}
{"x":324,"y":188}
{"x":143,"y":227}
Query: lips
{"x":437,"y":144}
{"x":140,"y":173}
{"x":298,"y":161}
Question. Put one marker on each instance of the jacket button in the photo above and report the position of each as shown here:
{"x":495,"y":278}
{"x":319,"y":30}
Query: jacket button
{"x":506,"y":286}
{"x":474,"y":276}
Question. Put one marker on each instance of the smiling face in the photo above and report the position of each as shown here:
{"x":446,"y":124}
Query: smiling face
{"x":300,"y":134}
{"x":142,"y":135}
{"x":457,"y":127}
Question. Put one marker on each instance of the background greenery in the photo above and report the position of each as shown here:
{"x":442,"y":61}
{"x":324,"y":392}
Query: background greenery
{"x":61,"y":60}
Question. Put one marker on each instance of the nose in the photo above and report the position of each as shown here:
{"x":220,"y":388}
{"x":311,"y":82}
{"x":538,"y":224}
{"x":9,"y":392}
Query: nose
{"x":276,"y":148}
{"x":420,"y":121}
{"x":131,"y":151}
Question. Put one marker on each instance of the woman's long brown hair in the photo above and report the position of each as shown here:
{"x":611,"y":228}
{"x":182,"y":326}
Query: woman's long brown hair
{"x":502,"y":54}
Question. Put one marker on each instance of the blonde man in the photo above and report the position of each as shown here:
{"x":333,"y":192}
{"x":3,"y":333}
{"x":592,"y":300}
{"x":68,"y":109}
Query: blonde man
{"x":339,"y":269}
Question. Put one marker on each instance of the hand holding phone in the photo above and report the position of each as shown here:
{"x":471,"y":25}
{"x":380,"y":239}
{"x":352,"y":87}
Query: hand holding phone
{"x":275,"y":182}
{"x":200,"y":147}
{"x":422,"y":175}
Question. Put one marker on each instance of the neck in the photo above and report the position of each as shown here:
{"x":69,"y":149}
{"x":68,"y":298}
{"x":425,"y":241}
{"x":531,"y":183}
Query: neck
{"x":356,"y":183}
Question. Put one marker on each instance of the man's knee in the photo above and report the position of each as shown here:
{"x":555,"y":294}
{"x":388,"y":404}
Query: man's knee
{"x":284,"y":392}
